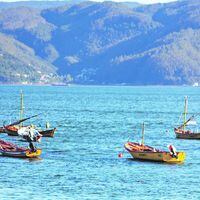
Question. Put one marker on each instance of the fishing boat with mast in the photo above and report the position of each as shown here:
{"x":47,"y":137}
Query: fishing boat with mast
{"x":182,"y":132}
{"x":148,"y":153}
{"x":12,"y":129}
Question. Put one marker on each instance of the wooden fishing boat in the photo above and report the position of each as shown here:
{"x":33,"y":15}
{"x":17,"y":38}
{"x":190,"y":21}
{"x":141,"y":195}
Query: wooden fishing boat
{"x":186,"y":134}
{"x":181,"y":131}
{"x":148,"y":153}
{"x":48,"y":132}
{"x":13,"y":131}
{"x":21,"y":154}
{"x":144,"y":152}
{"x":10,"y":150}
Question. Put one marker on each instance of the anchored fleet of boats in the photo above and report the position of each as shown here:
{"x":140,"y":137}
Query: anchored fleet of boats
{"x":144,"y":152}
{"x":139,"y":151}
{"x":29,"y":133}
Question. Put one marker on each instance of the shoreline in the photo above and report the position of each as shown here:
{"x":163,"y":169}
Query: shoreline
{"x":91,"y":85}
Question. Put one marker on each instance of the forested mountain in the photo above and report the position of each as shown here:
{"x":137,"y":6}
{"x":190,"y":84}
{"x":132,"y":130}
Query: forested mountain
{"x":102,"y":43}
{"x":18,"y":63}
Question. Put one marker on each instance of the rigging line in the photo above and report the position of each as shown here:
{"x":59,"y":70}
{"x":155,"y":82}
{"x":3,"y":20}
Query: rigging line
{"x":191,"y":118}
{"x":180,"y":118}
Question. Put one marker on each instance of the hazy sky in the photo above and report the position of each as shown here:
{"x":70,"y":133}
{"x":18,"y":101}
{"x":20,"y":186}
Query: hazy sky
{"x":147,"y":1}
{"x":139,"y":1}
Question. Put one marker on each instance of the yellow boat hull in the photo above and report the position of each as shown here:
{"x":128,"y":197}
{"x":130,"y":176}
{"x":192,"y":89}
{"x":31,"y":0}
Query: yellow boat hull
{"x":159,"y":156}
{"x":30,"y":154}
{"x":22,"y":154}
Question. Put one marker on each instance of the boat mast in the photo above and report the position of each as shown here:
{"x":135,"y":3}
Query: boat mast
{"x":185,"y":112}
{"x":143,"y":133}
{"x":21,"y":107}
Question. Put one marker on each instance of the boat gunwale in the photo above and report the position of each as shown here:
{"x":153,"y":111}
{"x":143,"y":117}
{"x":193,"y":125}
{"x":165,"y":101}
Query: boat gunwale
{"x":147,"y":151}
{"x":186,"y":132}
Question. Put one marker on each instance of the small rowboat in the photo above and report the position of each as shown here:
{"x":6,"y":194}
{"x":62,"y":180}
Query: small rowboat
{"x":11,"y":150}
{"x":21,"y":154}
{"x":148,"y":153}
{"x":48,"y":132}
{"x":181,"y":131}
{"x":143,"y":152}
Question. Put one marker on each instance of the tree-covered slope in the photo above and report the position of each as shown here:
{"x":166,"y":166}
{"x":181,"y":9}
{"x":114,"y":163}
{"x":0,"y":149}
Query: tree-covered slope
{"x":18,"y":63}
{"x":111,"y":43}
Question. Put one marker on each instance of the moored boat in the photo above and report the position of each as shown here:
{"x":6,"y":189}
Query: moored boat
{"x":10,"y":150}
{"x":47,"y":132}
{"x":148,"y":153}
{"x":21,"y":154}
{"x":12,"y":129}
{"x":186,"y":134}
{"x":181,"y":131}
{"x":143,"y":152}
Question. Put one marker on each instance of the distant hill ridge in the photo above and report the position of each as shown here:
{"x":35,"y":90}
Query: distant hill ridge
{"x":101,"y":43}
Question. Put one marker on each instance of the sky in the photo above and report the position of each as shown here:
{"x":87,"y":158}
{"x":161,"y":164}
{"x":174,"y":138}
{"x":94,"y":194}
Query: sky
{"x":139,"y":1}
{"x":146,"y":1}
{"x":153,"y":1}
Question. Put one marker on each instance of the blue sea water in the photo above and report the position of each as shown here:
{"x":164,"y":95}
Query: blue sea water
{"x":81,"y":161}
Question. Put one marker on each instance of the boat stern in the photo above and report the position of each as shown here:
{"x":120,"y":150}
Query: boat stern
{"x":35,"y":154}
{"x":179,"y":159}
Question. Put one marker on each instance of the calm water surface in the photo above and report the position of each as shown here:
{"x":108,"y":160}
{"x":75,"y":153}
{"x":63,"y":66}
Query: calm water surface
{"x":82,"y":162}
